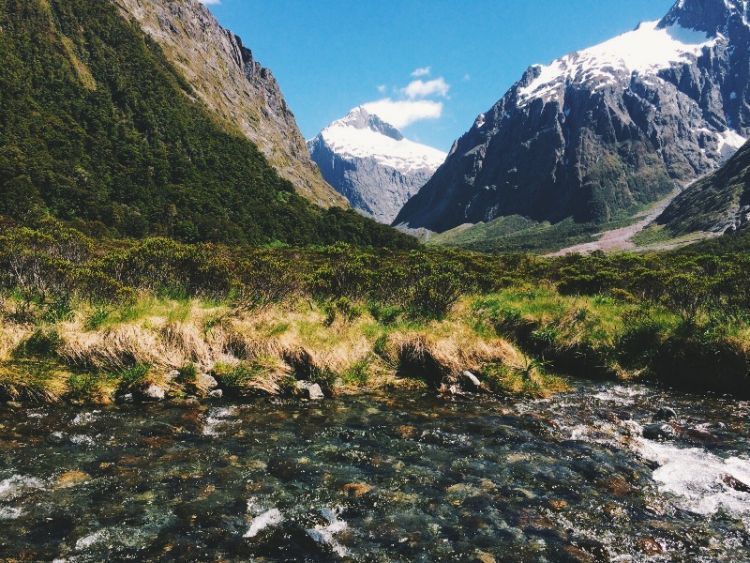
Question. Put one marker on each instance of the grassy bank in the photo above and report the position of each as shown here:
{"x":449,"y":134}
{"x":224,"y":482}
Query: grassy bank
{"x":97,"y":320}
{"x":188,"y":347}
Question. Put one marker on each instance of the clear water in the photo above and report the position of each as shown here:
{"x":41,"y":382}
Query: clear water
{"x":411,"y":478}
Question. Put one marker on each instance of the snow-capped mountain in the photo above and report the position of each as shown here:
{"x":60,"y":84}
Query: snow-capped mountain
{"x":598,"y":131}
{"x":372,"y":164}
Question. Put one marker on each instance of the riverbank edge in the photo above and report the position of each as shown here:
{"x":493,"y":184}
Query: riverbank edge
{"x":522,"y":341}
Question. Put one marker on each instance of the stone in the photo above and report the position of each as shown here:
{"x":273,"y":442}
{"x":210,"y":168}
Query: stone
{"x":173,"y":375}
{"x":406,"y":431}
{"x":659,"y":431}
{"x":153,"y":392}
{"x":650,"y":546}
{"x":618,"y":486}
{"x":308,"y":390}
{"x":483,"y":557}
{"x":736,"y":484}
{"x":470,"y":382}
{"x":356,"y":490}
{"x":216,"y":394}
{"x":557,"y":504}
{"x":72,"y":478}
{"x":665,"y":414}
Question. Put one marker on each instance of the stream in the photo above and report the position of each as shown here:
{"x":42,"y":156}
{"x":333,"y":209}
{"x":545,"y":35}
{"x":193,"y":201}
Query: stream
{"x":588,"y":475}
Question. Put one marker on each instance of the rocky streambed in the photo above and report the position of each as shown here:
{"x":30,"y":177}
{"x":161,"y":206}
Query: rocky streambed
{"x":601,"y":473}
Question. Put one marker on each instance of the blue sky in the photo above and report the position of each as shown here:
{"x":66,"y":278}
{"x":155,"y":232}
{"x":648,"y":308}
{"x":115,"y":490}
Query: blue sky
{"x":459,"y":56}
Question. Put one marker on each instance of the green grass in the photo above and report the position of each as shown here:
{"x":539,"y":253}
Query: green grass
{"x":519,"y":234}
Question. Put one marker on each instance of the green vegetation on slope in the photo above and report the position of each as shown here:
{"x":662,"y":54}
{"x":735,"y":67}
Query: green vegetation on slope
{"x":711,"y":203}
{"x":97,"y":129}
{"x":519,"y":234}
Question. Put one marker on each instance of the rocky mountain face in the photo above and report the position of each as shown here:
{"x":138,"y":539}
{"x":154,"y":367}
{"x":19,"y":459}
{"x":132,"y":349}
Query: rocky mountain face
{"x":243,"y":94}
{"x":599,"y":131}
{"x":718,"y":203}
{"x":370,"y":163}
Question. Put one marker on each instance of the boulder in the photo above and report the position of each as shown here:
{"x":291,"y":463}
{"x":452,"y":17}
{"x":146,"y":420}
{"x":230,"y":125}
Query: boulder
{"x":205,"y":382}
{"x":659,"y":432}
{"x":470,"y":382}
{"x":308,"y":390}
{"x":153,"y":392}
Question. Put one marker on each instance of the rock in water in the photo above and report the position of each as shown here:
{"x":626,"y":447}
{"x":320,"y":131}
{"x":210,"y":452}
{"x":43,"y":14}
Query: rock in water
{"x":308,"y":390}
{"x":665,"y":414}
{"x":659,"y":432}
{"x":370,"y":163}
{"x":597,"y":131}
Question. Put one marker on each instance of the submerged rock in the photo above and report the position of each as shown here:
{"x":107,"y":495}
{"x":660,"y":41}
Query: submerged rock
{"x":356,"y":490}
{"x":268,"y":519}
{"x":659,"y":432}
{"x":665,"y":414}
{"x":71,"y":479}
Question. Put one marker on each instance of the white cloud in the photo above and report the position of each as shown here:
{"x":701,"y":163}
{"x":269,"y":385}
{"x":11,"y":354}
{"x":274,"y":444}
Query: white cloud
{"x":401,"y":113}
{"x":422,"y":89}
{"x":382,"y":88}
{"x":422,"y":71}
{"x":210,"y":2}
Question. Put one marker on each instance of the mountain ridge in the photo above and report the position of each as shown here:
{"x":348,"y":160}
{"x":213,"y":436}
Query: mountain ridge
{"x":599,"y":132}
{"x":372,"y":164}
{"x":225,"y":75}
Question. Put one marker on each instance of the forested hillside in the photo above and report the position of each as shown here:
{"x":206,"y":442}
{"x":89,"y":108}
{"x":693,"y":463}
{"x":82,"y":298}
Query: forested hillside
{"x":97,"y":129}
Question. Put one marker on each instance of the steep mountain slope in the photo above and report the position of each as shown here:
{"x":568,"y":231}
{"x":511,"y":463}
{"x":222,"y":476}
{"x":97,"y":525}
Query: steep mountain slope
{"x":600,"y":132}
{"x":719,"y":202}
{"x":226,"y":77}
{"x":98,"y":129}
{"x":372,"y":164}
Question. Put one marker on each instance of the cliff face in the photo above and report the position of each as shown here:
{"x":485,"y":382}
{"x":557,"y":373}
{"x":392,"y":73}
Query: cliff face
{"x":243,"y":94}
{"x":599,"y":131}
{"x":718,"y":203}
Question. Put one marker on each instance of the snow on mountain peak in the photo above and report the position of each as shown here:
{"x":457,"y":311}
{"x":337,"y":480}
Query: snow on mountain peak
{"x":645,"y":50}
{"x":364,"y":135}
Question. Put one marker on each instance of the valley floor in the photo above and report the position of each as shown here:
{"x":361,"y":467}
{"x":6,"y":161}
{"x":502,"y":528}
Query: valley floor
{"x":622,"y":238}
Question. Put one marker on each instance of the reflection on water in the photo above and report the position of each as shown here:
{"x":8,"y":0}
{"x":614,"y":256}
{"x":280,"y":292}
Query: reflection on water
{"x":382,"y":479}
